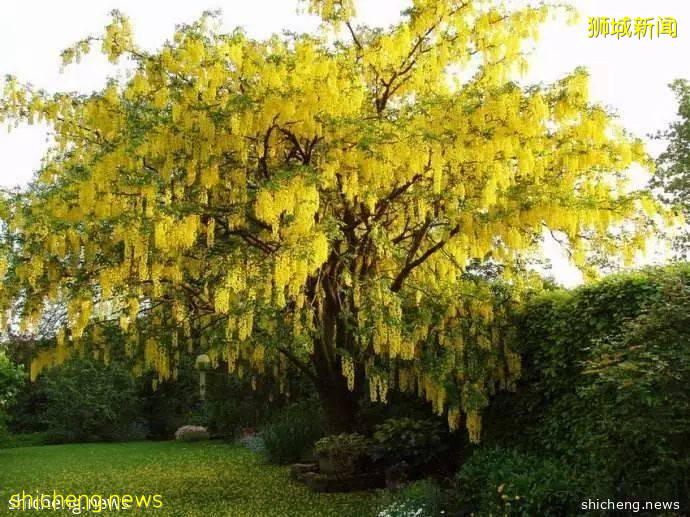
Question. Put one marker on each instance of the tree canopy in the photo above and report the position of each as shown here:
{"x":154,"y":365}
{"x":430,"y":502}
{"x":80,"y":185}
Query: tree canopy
{"x":318,"y":201}
{"x":673,"y":165}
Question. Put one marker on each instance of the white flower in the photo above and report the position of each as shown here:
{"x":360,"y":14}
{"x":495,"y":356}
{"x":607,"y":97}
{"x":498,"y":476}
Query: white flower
{"x":402,"y":510}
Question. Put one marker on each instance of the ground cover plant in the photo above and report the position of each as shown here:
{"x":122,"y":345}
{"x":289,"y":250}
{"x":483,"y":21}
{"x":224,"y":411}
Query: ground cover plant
{"x":194,"y":479}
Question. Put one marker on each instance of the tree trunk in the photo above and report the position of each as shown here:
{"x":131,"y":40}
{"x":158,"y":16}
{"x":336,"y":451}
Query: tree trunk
{"x":340,"y":407}
{"x":339,"y":403}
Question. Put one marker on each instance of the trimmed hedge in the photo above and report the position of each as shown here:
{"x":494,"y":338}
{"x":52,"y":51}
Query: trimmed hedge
{"x":605,"y":386}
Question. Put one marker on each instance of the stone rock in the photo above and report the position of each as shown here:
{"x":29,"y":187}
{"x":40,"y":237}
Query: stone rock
{"x":298,"y":470}
{"x":191,"y":433}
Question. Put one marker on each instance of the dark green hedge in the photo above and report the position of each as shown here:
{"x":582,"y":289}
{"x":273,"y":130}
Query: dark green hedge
{"x":606,"y":386}
{"x":86,"y":400}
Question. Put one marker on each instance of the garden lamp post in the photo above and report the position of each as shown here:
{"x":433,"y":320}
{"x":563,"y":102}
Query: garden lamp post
{"x":202,"y":363}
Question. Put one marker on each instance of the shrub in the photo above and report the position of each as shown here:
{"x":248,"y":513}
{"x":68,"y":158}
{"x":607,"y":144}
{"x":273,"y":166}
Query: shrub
{"x":15,"y":440}
{"x":86,"y":400}
{"x":346,"y":452}
{"x":12,"y":378}
{"x":232,"y":405}
{"x":168,"y":407}
{"x":404,"y":439}
{"x":419,"y":499}
{"x":4,"y":435}
{"x":498,"y":481}
{"x":292,"y":432}
{"x":605,"y":375}
{"x":253,"y":442}
{"x":638,"y":381}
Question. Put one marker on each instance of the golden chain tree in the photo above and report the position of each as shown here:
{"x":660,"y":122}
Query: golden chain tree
{"x":314,"y":201}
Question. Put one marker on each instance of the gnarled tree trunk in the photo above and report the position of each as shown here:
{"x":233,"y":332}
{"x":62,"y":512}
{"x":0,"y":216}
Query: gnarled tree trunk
{"x":339,"y":403}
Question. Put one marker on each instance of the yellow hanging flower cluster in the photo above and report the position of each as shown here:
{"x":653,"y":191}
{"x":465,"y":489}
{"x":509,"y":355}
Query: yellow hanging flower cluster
{"x":474,"y":426}
{"x":118,"y":37}
{"x":378,"y":388}
{"x":172,"y":235}
{"x":453,"y":418}
{"x":43,"y":359}
{"x":274,"y":194}
{"x":348,"y":369}
{"x":332,"y":10}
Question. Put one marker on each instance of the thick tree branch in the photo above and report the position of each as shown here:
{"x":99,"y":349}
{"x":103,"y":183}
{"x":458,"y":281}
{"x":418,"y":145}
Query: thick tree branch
{"x":405,"y":272}
{"x":298,"y":364}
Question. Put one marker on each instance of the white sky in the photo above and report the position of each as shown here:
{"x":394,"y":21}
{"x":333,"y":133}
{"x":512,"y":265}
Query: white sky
{"x":627,"y":75}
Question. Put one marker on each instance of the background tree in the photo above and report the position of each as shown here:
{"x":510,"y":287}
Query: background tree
{"x":314,"y":201}
{"x":673,"y":165}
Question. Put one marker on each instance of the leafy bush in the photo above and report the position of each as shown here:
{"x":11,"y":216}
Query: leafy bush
{"x":605,"y":375}
{"x":497,"y":481}
{"x":345,"y":451}
{"x":292,"y":432}
{"x":232,"y":405}
{"x":12,"y":378}
{"x":419,"y":499}
{"x":170,"y":405}
{"x":404,"y":439}
{"x":86,"y":400}
{"x":15,"y":440}
{"x":253,"y":442}
{"x":638,"y":379}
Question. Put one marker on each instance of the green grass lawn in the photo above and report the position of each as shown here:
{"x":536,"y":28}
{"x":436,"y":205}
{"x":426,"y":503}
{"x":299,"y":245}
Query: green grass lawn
{"x":204,"y":479}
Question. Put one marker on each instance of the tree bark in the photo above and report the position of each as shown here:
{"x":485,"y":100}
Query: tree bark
{"x":339,"y":403}
{"x":340,"y":407}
